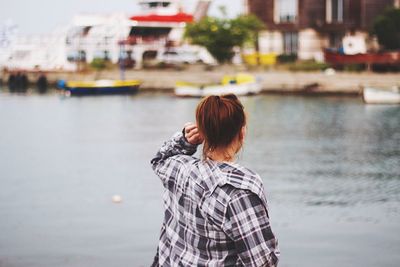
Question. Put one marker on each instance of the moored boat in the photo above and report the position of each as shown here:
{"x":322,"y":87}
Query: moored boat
{"x":99,"y":87}
{"x":381,"y":96}
{"x":386,"y":58}
{"x":240,"y":84}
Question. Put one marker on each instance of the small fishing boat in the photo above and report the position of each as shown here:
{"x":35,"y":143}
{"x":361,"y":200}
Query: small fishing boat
{"x":381,"y":96}
{"x":240,"y":84}
{"x":99,"y":87}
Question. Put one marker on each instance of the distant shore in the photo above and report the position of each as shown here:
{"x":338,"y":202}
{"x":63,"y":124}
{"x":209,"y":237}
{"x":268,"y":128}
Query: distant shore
{"x":274,"y":82}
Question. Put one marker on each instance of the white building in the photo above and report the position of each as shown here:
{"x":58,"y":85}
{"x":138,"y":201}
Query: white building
{"x":159,"y":25}
{"x":41,"y":52}
{"x":92,"y":36}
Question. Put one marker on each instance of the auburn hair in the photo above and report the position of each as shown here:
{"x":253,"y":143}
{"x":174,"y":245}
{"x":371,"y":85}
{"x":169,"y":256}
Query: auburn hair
{"x":219,"y":120}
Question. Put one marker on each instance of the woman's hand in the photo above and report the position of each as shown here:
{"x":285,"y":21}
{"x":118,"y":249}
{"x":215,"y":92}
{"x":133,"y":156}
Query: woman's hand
{"x":192,"y":134}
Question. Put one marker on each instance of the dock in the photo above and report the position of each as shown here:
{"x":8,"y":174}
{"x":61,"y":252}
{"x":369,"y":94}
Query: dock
{"x":273,"y":82}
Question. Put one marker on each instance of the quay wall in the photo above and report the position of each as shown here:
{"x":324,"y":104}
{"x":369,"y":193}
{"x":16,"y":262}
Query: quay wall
{"x":278,"y":82}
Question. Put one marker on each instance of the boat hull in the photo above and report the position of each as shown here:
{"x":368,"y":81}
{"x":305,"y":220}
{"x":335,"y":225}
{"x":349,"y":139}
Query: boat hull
{"x":102,"y":90}
{"x":379,"y":96}
{"x":102,"y":87}
{"x":201,"y":91}
{"x":239,"y":84}
{"x":385,"y":58}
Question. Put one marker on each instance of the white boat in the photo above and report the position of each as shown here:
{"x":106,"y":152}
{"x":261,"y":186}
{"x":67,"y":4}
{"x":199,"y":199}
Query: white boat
{"x":381,"y":96}
{"x":240,"y":84}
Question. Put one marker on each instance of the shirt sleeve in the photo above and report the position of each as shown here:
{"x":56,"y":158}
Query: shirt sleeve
{"x":247,"y":224}
{"x":164,"y":163}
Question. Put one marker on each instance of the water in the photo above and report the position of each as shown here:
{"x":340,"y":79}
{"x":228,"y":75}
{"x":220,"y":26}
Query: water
{"x":331,"y":169}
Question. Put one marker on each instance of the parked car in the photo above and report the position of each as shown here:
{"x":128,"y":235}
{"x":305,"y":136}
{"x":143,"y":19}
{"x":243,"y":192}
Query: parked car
{"x":177,"y":57}
{"x":186,"y":55}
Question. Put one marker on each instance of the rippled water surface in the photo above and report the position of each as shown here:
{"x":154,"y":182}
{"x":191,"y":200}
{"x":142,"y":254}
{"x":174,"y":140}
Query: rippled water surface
{"x":331,"y":169}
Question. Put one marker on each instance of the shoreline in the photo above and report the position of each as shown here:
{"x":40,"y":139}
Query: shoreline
{"x":273,"y":82}
{"x":264,"y":91}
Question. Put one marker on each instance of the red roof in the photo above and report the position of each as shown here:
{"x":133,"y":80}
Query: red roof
{"x":179,"y":17}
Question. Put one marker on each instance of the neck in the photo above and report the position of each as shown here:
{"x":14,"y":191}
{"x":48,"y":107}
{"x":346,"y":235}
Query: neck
{"x":222,"y":155}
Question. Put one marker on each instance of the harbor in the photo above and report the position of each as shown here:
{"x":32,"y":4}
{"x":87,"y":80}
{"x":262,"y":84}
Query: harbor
{"x":89,"y":92}
{"x":161,"y":46}
{"x":273,"y":82}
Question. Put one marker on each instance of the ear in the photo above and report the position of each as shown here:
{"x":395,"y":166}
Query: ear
{"x":242,"y":134}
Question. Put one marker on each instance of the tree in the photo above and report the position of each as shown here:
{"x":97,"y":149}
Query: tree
{"x":387,"y":28}
{"x":220,"y":35}
{"x":99,"y":65}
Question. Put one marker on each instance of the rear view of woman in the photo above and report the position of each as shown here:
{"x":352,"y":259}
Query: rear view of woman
{"x":215,"y":210}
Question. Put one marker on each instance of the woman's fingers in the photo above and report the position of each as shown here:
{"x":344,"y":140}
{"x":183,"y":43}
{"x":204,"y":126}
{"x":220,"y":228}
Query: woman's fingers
{"x":190,"y":127}
{"x":190,"y":137}
{"x":192,"y":132}
{"x":195,"y":139}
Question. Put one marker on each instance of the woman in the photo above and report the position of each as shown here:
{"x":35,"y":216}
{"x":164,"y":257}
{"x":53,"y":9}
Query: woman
{"x":215,"y":210}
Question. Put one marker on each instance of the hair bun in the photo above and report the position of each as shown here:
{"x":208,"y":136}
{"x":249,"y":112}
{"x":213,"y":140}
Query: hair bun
{"x":219,"y":120}
{"x":230,"y":96}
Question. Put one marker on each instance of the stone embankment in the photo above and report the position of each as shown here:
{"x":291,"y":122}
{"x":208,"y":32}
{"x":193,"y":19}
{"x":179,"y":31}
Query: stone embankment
{"x":278,"y":82}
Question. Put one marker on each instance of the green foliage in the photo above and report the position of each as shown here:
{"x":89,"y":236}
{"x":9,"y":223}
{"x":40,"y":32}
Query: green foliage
{"x":287,"y":58}
{"x":387,"y":28}
{"x":246,"y":28}
{"x":308,"y":65}
{"x":220,"y":35}
{"x":354,"y":67}
{"x":98,"y":64}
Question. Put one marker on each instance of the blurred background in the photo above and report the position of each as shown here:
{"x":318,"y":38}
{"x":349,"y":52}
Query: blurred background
{"x":90,"y":90}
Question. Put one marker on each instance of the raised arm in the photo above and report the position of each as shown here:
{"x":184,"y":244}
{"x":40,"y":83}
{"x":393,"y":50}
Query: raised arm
{"x":164,"y":163}
{"x":247,"y":224}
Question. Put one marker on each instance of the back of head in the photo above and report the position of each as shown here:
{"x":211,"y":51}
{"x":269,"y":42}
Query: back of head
{"x":220,"y":120}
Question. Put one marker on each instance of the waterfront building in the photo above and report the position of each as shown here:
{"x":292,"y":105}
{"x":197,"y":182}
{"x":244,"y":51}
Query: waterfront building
{"x":36,"y":53}
{"x":158,"y":26}
{"x":91,"y":36}
{"x":306,"y":27}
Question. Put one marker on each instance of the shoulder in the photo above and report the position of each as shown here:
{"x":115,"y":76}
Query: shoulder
{"x":185,"y":159}
{"x":234,"y":196}
{"x":178,"y":165}
{"x":224,"y":182}
{"x":227,"y":201}
{"x":243,"y":178}
{"x":181,"y":165}
{"x":237,"y":170}
{"x":232,"y":174}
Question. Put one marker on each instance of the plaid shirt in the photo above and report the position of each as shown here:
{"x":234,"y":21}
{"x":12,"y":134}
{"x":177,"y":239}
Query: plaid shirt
{"x":215,"y":213}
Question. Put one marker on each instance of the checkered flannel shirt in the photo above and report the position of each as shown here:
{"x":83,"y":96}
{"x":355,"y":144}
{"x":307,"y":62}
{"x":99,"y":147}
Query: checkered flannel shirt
{"x":216,"y":213}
